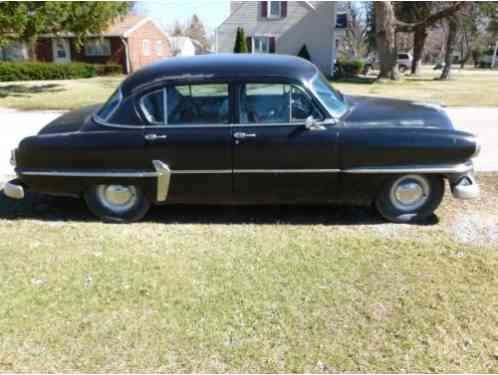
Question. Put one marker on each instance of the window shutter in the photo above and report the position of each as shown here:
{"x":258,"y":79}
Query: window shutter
{"x":249,"y":44}
{"x":272,"y":44}
{"x":264,"y":9}
{"x":283,"y":6}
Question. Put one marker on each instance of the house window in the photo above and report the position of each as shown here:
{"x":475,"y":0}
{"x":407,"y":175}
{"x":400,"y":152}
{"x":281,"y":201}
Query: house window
{"x":159,"y":47}
{"x":275,"y":9}
{"x":261,"y":44}
{"x":146,"y":47}
{"x":98,"y":47}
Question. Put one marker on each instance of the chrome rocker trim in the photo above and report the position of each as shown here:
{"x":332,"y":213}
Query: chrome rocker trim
{"x":163,"y":180}
{"x":163,"y":174}
{"x":13,"y":191}
{"x":422,"y":169}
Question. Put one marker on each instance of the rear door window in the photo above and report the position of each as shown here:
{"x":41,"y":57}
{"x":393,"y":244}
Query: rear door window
{"x":200,"y":104}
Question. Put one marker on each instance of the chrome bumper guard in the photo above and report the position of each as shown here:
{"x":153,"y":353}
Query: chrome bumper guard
{"x":13,"y":190}
{"x":466,"y":188}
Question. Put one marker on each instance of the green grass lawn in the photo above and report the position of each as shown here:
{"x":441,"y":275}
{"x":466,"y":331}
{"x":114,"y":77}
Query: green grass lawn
{"x":196,"y":289}
{"x":468,"y":87}
{"x":66,"y":94}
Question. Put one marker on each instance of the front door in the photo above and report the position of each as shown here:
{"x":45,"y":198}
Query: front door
{"x":189,"y":130}
{"x":277,"y":158}
{"x":61,"y":50}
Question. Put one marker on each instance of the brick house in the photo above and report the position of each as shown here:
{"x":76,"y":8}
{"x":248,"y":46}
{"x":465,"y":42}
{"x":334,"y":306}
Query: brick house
{"x":131,"y":42}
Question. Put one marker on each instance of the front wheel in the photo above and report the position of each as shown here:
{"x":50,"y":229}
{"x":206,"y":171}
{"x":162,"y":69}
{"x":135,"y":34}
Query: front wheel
{"x":117,"y":203}
{"x":410,"y":198}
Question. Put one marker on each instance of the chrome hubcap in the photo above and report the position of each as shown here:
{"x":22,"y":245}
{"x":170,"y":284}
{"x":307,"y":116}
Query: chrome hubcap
{"x":410,"y":193}
{"x":117,"y":198}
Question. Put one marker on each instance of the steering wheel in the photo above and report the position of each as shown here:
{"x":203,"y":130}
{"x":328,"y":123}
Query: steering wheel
{"x":301,"y":109}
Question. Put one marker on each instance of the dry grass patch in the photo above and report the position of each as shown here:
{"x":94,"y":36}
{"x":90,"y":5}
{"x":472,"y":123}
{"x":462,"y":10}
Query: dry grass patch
{"x":242,"y":290}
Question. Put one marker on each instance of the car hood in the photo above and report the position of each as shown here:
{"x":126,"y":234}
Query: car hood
{"x":70,"y":122}
{"x":384,"y":112}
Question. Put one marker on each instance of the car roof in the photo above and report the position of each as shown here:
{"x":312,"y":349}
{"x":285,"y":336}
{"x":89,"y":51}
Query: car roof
{"x":221,"y":66}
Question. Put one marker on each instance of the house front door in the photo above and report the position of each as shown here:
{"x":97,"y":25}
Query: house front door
{"x":61,"y":50}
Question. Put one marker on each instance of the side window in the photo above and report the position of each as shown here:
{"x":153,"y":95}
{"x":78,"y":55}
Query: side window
{"x":153,"y":107}
{"x":302,"y":106}
{"x":264,"y":103}
{"x":202,"y":104}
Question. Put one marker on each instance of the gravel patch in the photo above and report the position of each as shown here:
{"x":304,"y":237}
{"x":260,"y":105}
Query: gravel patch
{"x":476,"y":229}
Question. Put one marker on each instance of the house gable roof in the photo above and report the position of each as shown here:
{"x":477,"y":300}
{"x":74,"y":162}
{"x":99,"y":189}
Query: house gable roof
{"x":121,"y":27}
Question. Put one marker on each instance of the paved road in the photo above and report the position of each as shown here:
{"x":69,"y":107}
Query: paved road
{"x":16,"y":125}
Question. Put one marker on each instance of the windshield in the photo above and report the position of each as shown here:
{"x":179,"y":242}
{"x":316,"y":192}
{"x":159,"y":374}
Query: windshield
{"x":112,"y":104}
{"x":328,"y":96}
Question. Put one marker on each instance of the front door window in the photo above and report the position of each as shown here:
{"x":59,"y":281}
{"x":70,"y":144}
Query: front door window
{"x":261,"y":44}
{"x":275,"y":103}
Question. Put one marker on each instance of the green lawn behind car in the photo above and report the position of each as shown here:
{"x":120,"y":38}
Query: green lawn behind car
{"x":468,"y":87}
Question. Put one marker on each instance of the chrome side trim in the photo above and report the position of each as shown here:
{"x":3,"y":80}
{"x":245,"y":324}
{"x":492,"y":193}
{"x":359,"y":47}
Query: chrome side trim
{"x":286,"y":170}
{"x":87,"y":174}
{"x":424,"y":169}
{"x":163,"y":179}
{"x":205,"y":171}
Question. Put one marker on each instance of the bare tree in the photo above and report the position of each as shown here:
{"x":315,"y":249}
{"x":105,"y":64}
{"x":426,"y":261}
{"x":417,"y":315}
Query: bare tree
{"x":354,"y":43}
{"x":387,"y":25}
{"x":450,"y":46}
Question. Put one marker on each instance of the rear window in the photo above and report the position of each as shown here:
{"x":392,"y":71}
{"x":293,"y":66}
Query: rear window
{"x":403,"y":56}
{"x":110,"y":106}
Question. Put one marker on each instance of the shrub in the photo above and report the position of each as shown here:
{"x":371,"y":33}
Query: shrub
{"x":240,"y":41}
{"x":348,"y":68}
{"x":108,"y":69}
{"x":304,"y":54}
{"x":40,"y":71}
{"x":27,"y":71}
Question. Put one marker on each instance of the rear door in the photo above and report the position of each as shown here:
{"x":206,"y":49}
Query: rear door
{"x":277,"y":158}
{"x":189,"y":130}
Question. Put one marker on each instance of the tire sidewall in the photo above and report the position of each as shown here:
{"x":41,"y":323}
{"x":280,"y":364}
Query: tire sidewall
{"x":391,"y":213}
{"x":135,"y":213}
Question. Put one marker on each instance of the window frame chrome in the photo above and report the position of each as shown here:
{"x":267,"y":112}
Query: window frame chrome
{"x":120,"y":101}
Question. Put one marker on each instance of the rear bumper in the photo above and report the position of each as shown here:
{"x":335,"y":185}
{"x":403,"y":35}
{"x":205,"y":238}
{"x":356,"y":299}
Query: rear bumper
{"x":13,"y":189}
{"x":466,"y":187}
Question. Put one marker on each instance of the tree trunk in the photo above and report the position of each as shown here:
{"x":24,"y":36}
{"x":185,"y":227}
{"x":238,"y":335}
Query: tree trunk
{"x":450,"y":46}
{"x":31,"y":45}
{"x":419,"y":38}
{"x":385,"y":32}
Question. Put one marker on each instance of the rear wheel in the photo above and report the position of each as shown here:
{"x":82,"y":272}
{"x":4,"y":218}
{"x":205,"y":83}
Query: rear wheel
{"x":410,"y":198}
{"x":117,"y":203}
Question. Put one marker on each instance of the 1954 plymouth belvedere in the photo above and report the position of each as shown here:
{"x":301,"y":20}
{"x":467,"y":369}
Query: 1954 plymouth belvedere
{"x":246,"y":129}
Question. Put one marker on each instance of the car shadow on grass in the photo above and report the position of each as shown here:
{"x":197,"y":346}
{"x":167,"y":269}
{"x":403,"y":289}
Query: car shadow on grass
{"x":59,"y":209}
{"x":16,"y":90}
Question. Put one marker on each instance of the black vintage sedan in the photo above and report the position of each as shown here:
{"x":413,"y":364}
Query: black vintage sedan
{"x":246,"y":129}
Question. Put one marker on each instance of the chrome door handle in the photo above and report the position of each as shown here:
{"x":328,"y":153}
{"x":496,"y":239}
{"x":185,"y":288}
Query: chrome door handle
{"x":154,"y":137}
{"x":241,"y":135}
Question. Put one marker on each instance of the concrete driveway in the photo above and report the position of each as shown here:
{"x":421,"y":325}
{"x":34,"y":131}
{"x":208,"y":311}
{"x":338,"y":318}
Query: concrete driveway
{"x":481,"y":121}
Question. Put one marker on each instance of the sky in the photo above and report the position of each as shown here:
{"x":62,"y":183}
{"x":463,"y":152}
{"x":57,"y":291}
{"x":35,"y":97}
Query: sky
{"x":211,"y":13}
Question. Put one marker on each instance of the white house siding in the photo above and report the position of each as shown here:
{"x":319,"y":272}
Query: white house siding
{"x":182,"y":46}
{"x":309,"y":23}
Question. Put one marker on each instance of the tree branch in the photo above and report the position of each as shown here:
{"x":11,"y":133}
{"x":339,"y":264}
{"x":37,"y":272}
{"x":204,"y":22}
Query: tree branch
{"x":429,"y":21}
